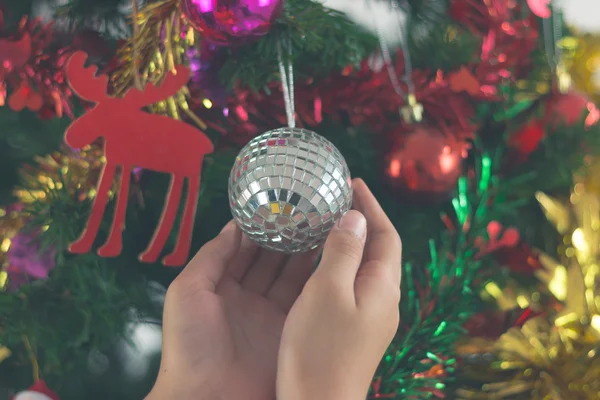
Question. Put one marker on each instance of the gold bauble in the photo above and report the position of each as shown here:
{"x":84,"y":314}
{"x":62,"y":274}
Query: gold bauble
{"x":585,"y":68}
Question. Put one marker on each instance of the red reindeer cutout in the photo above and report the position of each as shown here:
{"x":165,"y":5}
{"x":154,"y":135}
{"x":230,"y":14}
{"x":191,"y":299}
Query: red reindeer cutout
{"x":134,"y":138}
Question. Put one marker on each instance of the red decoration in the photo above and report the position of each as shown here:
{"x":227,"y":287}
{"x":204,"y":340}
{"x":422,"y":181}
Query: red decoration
{"x":464,"y":81}
{"x":435,"y":372}
{"x":569,"y":109}
{"x":498,"y":238}
{"x":364,"y":96}
{"x":427,"y":162}
{"x":376,"y":388}
{"x":540,"y":8}
{"x":38,"y":391}
{"x":231,"y":22}
{"x":133,"y":138}
{"x":25,"y":97}
{"x":561,"y":109}
{"x":15,"y":53}
{"x":519,"y":259}
{"x":31,"y":68}
{"x":524,"y":316}
{"x":493,"y":324}
{"x":506,"y":245}
{"x":527,"y":139}
{"x":490,"y":325}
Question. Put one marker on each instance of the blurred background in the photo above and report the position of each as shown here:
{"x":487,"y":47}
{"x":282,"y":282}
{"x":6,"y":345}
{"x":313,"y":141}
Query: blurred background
{"x":474,"y":121}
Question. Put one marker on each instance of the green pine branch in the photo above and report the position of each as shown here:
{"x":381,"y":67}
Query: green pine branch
{"x":108,"y":16}
{"x":439,"y":296}
{"x":550,"y":169}
{"x":23,"y":135}
{"x":85,"y":305}
{"x":322,"y":41}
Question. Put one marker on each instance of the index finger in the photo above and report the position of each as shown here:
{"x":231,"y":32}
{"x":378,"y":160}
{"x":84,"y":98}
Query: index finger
{"x":208,"y":266}
{"x":383,"y":242}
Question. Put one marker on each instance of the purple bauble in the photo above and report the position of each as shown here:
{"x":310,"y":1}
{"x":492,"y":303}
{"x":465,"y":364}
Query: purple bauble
{"x":231,"y":22}
{"x":28,"y":261}
{"x":205,"y":64}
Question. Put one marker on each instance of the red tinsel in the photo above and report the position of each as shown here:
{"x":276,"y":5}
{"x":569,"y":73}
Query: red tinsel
{"x":364,"y":96}
{"x":31,"y":70}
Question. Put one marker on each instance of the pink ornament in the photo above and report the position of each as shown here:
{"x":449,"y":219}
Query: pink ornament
{"x":232,"y":22}
{"x":540,"y":8}
{"x":27,"y":261}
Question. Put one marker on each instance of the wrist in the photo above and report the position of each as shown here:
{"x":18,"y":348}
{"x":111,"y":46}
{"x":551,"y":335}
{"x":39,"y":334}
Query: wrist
{"x":307,"y":390}
{"x":181,"y":390}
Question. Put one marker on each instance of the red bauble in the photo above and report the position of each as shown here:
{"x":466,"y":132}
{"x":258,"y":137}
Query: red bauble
{"x":231,"y":22}
{"x":567,"y":109}
{"x":427,"y":161}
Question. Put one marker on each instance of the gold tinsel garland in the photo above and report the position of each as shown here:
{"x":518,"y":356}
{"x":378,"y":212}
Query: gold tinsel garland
{"x":160,"y":41}
{"x":554,"y":355}
{"x":10,"y":223}
{"x":76,"y":171}
{"x":73,"y":171}
{"x":11,"y":220}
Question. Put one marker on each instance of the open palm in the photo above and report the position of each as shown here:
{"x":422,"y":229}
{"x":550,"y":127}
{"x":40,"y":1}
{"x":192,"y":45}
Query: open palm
{"x":224,"y":316}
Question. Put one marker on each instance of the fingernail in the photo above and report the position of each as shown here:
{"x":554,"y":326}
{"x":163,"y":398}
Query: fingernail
{"x":354,"y":222}
{"x":230,"y":225}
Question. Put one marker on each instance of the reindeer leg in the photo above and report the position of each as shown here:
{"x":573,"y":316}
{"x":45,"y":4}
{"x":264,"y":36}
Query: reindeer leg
{"x":184,"y":240}
{"x":161,"y":234}
{"x":114,"y":243}
{"x":86,"y":240}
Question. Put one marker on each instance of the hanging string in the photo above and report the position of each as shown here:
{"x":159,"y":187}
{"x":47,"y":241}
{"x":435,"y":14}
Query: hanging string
{"x":553,"y":34}
{"x":135,"y":56}
{"x":413,"y":111}
{"x":385,"y":52}
{"x":287,"y":82}
{"x":552,"y":30}
{"x":558,"y":33}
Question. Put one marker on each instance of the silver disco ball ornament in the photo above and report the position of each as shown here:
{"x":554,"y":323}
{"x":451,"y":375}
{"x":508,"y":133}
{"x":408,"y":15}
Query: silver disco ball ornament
{"x":287,"y":189}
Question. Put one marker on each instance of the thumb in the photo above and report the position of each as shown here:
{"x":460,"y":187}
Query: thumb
{"x":343,"y":252}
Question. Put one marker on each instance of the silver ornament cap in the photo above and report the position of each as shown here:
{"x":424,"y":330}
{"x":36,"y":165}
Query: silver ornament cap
{"x":287,"y":189}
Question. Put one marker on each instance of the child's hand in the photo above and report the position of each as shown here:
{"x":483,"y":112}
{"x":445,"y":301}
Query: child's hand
{"x":347,"y":314}
{"x":223,"y":320}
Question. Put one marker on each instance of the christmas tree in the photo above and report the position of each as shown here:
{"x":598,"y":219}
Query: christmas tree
{"x":472,"y":121}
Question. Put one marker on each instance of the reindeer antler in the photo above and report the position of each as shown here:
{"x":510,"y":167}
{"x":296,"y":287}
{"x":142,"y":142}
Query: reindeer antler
{"x":83,"y":80}
{"x":152,"y":94}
